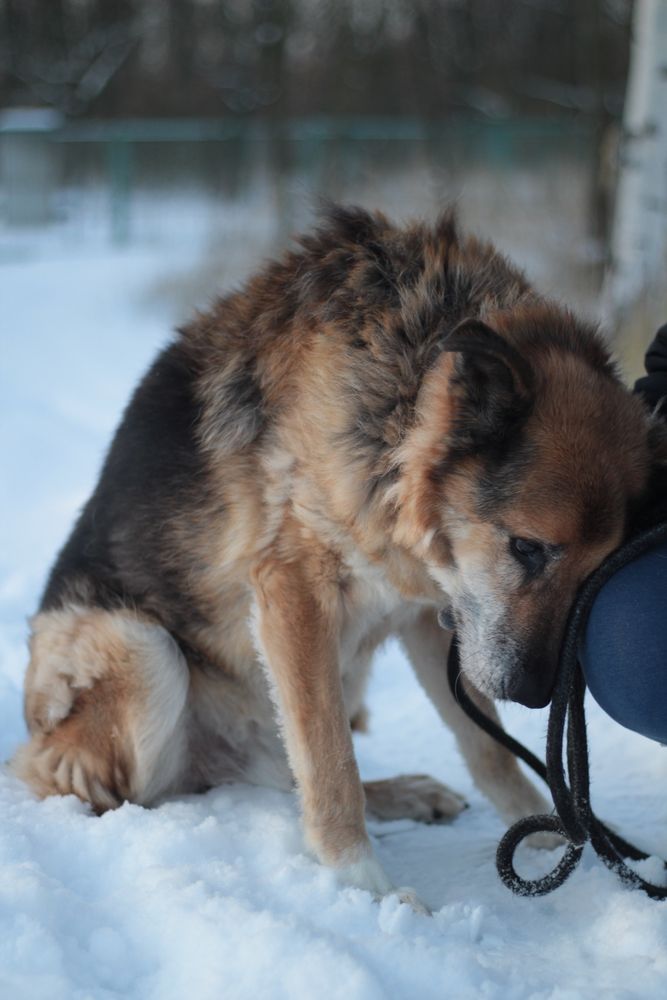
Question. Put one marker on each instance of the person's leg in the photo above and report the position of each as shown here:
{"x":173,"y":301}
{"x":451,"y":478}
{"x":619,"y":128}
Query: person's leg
{"x":624,"y":653}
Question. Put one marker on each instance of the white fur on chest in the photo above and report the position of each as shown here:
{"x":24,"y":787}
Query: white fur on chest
{"x":372,"y":609}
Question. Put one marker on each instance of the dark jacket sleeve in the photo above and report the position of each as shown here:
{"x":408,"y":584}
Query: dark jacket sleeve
{"x":653,"y":385}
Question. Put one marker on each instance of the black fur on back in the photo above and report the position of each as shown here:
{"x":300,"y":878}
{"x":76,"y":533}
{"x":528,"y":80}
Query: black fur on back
{"x":120,"y":551}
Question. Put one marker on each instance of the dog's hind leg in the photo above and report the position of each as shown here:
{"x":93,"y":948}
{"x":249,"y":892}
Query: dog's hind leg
{"x":494,"y":769}
{"x":105,"y":705}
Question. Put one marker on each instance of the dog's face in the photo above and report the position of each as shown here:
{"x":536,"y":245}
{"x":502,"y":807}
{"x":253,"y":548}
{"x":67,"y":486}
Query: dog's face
{"x":546,"y":455}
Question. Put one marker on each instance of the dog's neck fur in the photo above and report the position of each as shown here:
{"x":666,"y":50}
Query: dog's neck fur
{"x":350,"y":329}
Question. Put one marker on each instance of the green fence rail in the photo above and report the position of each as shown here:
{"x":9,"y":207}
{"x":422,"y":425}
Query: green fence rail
{"x":32,"y":148}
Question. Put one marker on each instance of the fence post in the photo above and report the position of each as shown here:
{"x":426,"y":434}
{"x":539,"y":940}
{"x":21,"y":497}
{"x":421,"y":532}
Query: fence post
{"x":28,"y":164}
{"x":119,"y":161}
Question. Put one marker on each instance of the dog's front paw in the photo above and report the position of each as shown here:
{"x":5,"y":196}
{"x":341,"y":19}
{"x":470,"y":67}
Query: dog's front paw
{"x":525,"y":801}
{"x":408,"y":896}
{"x":545,"y":840}
{"x":367,"y":873}
{"x":413,"y":796}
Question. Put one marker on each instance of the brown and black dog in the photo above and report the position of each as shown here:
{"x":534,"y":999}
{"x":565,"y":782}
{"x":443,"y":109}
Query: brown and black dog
{"x":384,"y":422}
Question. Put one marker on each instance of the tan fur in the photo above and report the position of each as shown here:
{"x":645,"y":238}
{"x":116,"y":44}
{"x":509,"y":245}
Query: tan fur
{"x":105,"y":693}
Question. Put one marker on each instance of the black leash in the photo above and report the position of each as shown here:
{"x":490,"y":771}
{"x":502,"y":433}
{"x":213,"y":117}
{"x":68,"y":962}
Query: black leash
{"x":575,"y":820}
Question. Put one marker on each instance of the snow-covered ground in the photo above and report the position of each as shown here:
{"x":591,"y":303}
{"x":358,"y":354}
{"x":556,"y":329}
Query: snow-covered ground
{"x":214,"y":896}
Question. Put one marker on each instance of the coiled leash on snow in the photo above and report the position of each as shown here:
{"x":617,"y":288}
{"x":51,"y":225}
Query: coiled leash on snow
{"x":575,"y":821}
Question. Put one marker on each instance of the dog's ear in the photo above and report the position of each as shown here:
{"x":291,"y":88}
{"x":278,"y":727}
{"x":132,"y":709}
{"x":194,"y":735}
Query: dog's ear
{"x":493,"y":384}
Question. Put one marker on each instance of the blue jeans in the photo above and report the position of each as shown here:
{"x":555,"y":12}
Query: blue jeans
{"x":624,"y":653}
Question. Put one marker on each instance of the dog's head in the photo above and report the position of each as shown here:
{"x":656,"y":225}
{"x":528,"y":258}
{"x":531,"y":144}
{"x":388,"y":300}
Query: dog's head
{"x":528,"y":458}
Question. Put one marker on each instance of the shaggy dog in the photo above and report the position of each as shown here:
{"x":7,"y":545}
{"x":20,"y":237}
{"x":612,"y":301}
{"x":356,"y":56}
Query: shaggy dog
{"x":384,"y":422}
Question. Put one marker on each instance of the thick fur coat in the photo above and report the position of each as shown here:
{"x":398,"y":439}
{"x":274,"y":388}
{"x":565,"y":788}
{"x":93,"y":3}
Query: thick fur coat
{"x":384,"y":422}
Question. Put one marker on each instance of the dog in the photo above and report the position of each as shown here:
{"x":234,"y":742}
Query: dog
{"x":385,"y":422}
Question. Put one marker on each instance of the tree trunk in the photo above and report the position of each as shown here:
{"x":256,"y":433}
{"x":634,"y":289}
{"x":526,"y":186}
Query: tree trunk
{"x":639,"y":237}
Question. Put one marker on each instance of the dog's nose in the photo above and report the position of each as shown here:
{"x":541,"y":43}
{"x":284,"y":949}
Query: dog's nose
{"x":532,"y":687}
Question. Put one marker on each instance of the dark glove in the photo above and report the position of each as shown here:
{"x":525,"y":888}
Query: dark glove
{"x":653,"y":385}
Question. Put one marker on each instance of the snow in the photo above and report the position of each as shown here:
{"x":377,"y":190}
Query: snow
{"x":215,"y":896}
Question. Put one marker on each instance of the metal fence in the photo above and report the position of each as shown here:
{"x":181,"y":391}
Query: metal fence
{"x":48,"y":168}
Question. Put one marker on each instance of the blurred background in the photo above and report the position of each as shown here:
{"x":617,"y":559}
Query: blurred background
{"x":196,"y":132}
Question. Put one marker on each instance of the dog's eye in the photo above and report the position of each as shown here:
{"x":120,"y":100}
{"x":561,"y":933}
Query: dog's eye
{"x":532,"y":555}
